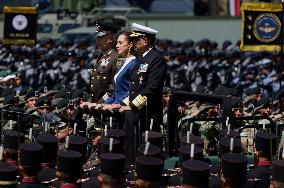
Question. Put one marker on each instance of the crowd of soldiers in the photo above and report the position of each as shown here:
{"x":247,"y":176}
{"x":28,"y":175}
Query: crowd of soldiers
{"x":57,"y":131}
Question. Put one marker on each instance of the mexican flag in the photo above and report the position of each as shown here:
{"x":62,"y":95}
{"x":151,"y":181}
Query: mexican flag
{"x":234,"y":7}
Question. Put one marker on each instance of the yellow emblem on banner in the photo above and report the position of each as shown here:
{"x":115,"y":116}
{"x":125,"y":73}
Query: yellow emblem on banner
{"x":20,"y":25}
{"x":261,"y":27}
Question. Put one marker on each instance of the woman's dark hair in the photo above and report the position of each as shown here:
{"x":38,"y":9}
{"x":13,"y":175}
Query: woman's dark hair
{"x":129,"y":39}
{"x":127,"y":34}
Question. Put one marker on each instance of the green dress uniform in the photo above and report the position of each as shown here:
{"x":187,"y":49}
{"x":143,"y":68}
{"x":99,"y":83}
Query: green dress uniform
{"x":102,"y":74}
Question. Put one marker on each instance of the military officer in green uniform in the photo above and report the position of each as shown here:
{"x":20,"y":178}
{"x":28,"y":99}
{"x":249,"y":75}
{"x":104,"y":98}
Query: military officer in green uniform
{"x":106,"y":65}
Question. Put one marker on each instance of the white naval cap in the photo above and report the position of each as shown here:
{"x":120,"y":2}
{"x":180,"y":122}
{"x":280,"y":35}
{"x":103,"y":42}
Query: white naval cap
{"x":141,"y":30}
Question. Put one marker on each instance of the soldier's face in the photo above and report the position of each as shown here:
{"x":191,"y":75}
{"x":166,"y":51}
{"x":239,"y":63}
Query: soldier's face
{"x":18,"y":81}
{"x":257,"y":97}
{"x":31,"y":102}
{"x":140,"y":45}
{"x":166,"y":99}
{"x":100,"y":41}
{"x":238,"y":111}
{"x":123,"y":46}
{"x":213,"y":111}
{"x":43,"y":110}
{"x":265,"y":111}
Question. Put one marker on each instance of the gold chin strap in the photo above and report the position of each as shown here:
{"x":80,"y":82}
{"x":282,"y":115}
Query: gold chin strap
{"x":139,"y":101}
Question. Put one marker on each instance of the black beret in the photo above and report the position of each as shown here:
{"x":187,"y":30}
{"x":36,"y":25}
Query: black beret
{"x":10,"y":99}
{"x":30,"y":154}
{"x":31,"y":94}
{"x":77,"y":93}
{"x":43,"y":101}
{"x":195,"y":173}
{"x":61,"y":93}
{"x":201,"y":89}
{"x":234,"y":167}
{"x":60,"y":86}
{"x":41,"y":89}
{"x":11,"y":140}
{"x":149,"y":168}
{"x":61,"y":104}
{"x":8,"y":174}
{"x":112,"y":164}
{"x":235,"y":102}
{"x":7,"y":91}
{"x":253,"y":91}
{"x":280,"y":94}
{"x":222,"y":90}
{"x":166,"y":90}
{"x":69,"y":162}
{"x":50,"y":146}
{"x":264,"y":101}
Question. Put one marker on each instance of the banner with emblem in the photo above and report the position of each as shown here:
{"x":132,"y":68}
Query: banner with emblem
{"x":20,"y":25}
{"x":261,"y":27}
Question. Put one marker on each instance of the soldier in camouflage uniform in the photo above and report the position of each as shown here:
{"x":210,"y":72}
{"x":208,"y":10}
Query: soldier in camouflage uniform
{"x":209,"y":130}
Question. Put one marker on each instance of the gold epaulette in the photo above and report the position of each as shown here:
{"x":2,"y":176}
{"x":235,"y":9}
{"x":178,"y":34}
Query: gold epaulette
{"x":140,"y":101}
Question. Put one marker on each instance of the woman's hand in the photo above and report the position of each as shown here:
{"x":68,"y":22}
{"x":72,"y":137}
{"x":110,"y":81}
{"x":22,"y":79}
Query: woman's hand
{"x":113,"y":106}
{"x":124,"y":108}
{"x":97,"y":106}
{"x":105,"y":106}
{"x":83,"y":104}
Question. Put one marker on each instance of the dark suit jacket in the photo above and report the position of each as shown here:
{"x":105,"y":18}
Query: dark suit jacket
{"x":147,"y":79}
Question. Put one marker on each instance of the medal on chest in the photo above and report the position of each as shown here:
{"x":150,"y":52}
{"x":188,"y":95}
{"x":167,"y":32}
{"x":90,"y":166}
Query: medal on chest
{"x":143,"y":68}
{"x":105,"y":62}
{"x":119,"y":63}
{"x":141,"y":79}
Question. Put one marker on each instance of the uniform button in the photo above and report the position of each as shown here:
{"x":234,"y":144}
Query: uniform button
{"x":92,"y":95}
{"x":132,"y":82}
{"x":93,"y":77}
{"x":95,"y":69}
{"x":92,"y":85}
{"x":132,"y":92}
